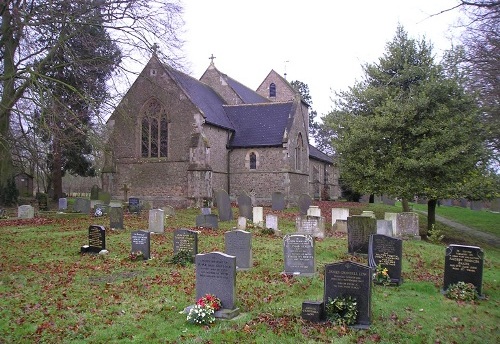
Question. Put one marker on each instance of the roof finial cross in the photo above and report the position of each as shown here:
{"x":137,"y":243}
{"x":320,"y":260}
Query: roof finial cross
{"x":155,"y":48}
{"x":212,"y":58}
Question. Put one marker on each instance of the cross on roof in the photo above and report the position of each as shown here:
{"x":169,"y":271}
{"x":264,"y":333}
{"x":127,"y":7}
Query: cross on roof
{"x":212,"y":58}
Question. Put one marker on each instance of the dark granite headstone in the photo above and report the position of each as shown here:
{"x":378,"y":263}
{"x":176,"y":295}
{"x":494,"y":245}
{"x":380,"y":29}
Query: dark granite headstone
{"x":207,"y":221}
{"x":216,"y":274}
{"x":464,"y":264}
{"x":299,"y":254}
{"x":352,"y":279}
{"x":238,"y":243}
{"x":245,"y":206}
{"x":305,"y":202}
{"x":186,"y":240}
{"x":82,"y":205}
{"x":42,"y":202}
{"x":141,"y":241}
{"x":104,"y":197}
{"x":63,"y":203}
{"x":313,"y":311}
{"x":97,"y":239}
{"x":116,"y":217}
{"x":359,"y":229}
{"x":94,"y":192}
{"x":134,"y":205}
{"x":224,"y":205}
{"x":278,"y":201}
{"x":386,"y":252}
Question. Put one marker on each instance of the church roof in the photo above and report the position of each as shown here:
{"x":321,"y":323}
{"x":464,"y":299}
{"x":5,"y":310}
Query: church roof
{"x":246,"y":94}
{"x":259,"y":125}
{"x":315,"y":153}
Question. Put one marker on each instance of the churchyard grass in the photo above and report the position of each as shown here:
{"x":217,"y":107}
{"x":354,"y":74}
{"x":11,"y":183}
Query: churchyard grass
{"x":52,"y":294}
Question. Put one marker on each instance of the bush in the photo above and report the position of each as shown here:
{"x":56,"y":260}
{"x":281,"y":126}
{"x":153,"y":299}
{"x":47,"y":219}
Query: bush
{"x":9,"y":193}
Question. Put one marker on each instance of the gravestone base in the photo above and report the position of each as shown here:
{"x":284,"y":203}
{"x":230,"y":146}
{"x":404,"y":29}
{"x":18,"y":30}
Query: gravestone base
{"x":223,"y":313}
{"x":84,"y":249}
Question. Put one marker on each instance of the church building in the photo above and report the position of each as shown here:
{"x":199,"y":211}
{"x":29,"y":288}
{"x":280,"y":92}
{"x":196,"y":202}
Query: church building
{"x":175,"y":140}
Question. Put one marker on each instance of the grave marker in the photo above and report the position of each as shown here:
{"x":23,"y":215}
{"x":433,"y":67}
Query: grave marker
{"x":278,"y":201}
{"x":305,"y":202}
{"x":299,"y":254}
{"x":116,"y":217}
{"x":141,"y":241}
{"x":258,"y":216}
{"x":464,"y":264}
{"x":104,"y":197}
{"x":25,"y":212}
{"x":94,"y":192}
{"x":359,"y":229}
{"x":387,"y":252}
{"x":63,"y":204}
{"x":134,"y":205}
{"x":313,"y":311}
{"x":224,"y":205}
{"x":314,"y":211}
{"x":82,"y":205}
{"x":384,"y":227}
{"x":97,"y":239}
{"x":186,"y":240}
{"x":339,"y":214}
{"x":242,"y":223}
{"x":407,"y":226}
{"x":245,"y":206}
{"x":238,"y":243}
{"x":312,"y":225}
{"x":272,"y":222}
{"x":207,"y":221}
{"x":156,"y":221}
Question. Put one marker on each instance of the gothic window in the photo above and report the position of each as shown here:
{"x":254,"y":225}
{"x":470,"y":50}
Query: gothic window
{"x":298,"y":152}
{"x":272,"y":90}
{"x":154,"y":130}
{"x":253,"y":161}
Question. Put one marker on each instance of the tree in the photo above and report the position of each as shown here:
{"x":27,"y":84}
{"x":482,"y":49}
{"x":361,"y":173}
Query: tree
{"x":406,"y":130}
{"x":303,"y":90}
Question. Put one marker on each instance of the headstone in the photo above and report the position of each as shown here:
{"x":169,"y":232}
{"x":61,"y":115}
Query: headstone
{"x":359,"y":229}
{"x":258,"y":216}
{"x":125,"y":190}
{"x":463,"y":202}
{"x":464,"y":264}
{"x":25,"y":212}
{"x":344,"y":279}
{"x":245,"y":206}
{"x":278,"y":201}
{"x":94,"y":192}
{"x":206,"y":211}
{"x":169,"y":211}
{"x":312,"y":225}
{"x":386,"y":252}
{"x":242,"y":223}
{"x":116,"y":218}
{"x":207,"y":221}
{"x":156,"y":221}
{"x":115,"y":204}
{"x":476,"y":205}
{"x":97,"y":239}
{"x":305,"y":202}
{"x":341,"y":226}
{"x":339,"y":214}
{"x":141,"y":241}
{"x":216,"y":275}
{"x":134,"y":205}
{"x":368,"y":213}
{"x":42,"y":202}
{"x":313,"y":311}
{"x":82,"y":205}
{"x":101,"y":210}
{"x":186,"y":240}
{"x":314,"y":211}
{"x":364,"y":199}
{"x":238,"y":243}
{"x":63,"y":204}
{"x":272,"y":222}
{"x":446,"y":202}
{"x":407,"y":226}
{"x":392,"y":217}
{"x":384,"y":227}
{"x":104,"y":197}
{"x":224,"y":205}
{"x":299,"y":254}
{"x":495,"y":205}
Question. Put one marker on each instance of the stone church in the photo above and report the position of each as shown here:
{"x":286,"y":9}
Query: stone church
{"x":174,"y":140}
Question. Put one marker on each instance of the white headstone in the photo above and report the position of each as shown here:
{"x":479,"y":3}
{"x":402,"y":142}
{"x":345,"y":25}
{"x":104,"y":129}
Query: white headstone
{"x":156,"y":220}
{"x":258,"y":216}
{"x":339,"y":214}
{"x":242,"y":222}
{"x":25,"y":212}
{"x":272,"y":221}
{"x":314,"y":210}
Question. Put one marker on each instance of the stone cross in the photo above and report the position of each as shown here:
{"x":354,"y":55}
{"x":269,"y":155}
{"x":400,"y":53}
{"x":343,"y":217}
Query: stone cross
{"x":125,"y":190}
{"x":211,"y":58}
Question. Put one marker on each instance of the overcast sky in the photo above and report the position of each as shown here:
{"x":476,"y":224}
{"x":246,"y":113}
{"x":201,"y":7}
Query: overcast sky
{"x":324,"y":41}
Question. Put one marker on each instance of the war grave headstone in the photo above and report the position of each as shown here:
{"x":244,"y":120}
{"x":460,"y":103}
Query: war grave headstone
{"x":238,"y":243}
{"x":242,"y":222}
{"x":305,"y":202}
{"x":207,"y":221}
{"x":464,"y":264}
{"x":278,"y":201}
{"x":134,"y":205}
{"x":299,"y":254}
{"x":407,"y":226}
{"x":94,"y":192}
{"x":272,"y":222}
{"x":313,"y":311}
{"x":169,"y":211}
{"x":258,"y":216}
{"x":116,"y":217}
{"x":384,"y":227}
{"x":312,"y":225}
{"x":25,"y":212}
{"x":104,"y":197}
{"x":224,"y":205}
{"x":82,"y":205}
{"x":245,"y":206}
{"x":359,"y":229}
{"x":314,"y":210}
{"x":156,"y":221}
{"x":350,"y":279}
{"x":216,"y":275}
{"x":186,"y":240}
{"x":63,"y":204}
{"x":97,"y":240}
{"x":386,"y":252}
{"x":141,"y":241}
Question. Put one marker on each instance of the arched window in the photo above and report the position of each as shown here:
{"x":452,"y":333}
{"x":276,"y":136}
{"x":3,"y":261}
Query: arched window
{"x":272,"y":90}
{"x":298,"y":152}
{"x":154,"y":130}
{"x":253,"y":161}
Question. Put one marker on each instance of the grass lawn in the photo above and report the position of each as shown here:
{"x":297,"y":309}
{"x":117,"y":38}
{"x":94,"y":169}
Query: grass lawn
{"x":52,"y":294}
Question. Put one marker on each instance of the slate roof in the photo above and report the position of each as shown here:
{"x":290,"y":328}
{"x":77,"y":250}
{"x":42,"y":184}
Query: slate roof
{"x":246,"y":94}
{"x":259,"y":125}
{"x":315,"y":153}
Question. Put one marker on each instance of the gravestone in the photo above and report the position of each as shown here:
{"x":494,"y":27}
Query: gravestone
{"x":407,"y":226}
{"x":25,"y":212}
{"x":223,"y":205}
{"x":238,"y":243}
{"x":134,"y":205}
{"x":272,"y":222}
{"x":384,"y":227}
{"x":464,"y":264}
{"x":344,"y":279}
{"x":339,"y":214}
{"x":42,"y":202}
{"x":104,"y":197}
{"x":63,"y":204}
{"x":341,"y":226}
{"x":94,"y":192}
{"x":169,"y":211}
{"x":242,"y":223}
{"x":141,"y":241}
{"x":216,"y":275}
{"x":359,"y":229}
{"x":206,"y":211}
{"x":116,"y":217}
{"x":314,"y":211}
{"x":476,"y":205}
{"x":258,"y":216}
{"x":313,"y":311}
{"x":207,"y":221}
{"x":392,"y":217}
{"x":186,"y":240}
{"x":495,"y":205}
{"x":463,"y":203}
{"x":447,"y":202}
{"x":364,"y":199}
{"x":82,"y":205}
{"x":368,"y":213}
{"x":278,"y":201}
{"x":305,"y":202}
{"x":386,"y":252}
{"x":299,"y":254}
{"x":156,"y":221}
{"x":97,"y":239}
{"x":312,"y":225}
{"x":101,"y":210}
{"x":245,"y":206}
